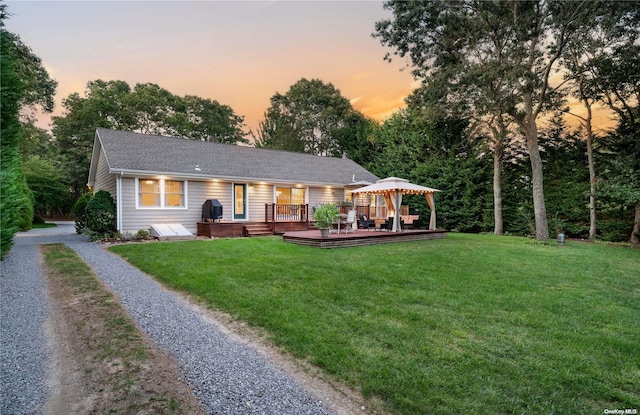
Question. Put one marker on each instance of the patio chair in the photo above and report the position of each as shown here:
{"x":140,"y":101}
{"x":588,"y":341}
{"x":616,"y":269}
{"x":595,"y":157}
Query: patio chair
{"x":351,"y":219}
{"x":386,"y":226}
{"x":365,"y":223}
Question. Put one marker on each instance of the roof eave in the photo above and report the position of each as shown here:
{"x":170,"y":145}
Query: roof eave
{"x":95,"y":157}
{"x":187,"y":176}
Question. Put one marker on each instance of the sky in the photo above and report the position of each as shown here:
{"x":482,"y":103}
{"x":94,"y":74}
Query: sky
{"x":239,"y":53}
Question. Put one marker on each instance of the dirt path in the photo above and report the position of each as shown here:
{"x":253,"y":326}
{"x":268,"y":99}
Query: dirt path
{"x":101,"y":362}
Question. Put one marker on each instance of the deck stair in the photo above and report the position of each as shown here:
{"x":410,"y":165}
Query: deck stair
{"x":258,"y":229}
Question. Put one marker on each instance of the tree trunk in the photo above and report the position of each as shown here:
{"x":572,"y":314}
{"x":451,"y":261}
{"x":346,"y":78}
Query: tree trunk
{"x":497,"y":186}
{"x":530,"y":129}
{"x":635,"y":233}
{"x":592,"y":174}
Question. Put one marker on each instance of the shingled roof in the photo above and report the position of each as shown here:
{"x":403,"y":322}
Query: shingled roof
{"x":133,"y":153}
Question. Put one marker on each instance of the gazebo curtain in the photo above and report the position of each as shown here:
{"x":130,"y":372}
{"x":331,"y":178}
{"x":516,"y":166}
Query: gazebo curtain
{"x":396,"y":200}
{"x":388,"y":203}
{"x":432,"y":205}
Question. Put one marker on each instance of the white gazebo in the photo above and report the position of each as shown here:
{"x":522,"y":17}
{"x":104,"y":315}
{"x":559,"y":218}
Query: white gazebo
{"x":392,"y":188}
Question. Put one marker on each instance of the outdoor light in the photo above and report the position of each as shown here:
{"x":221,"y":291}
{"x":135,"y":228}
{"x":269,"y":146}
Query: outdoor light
{"x":561,"y":238}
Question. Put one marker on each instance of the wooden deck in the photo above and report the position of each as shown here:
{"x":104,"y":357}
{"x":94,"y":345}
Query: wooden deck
{"x":359,"y":237}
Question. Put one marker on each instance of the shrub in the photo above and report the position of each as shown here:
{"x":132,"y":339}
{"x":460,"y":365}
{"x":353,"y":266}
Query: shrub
{"x":614,"y":230}
{"x":101,"y":215}
{"x":79,"y":210}
{"x":25,"y":205}
{"x":325,"y":215}
{"x":142,"y":234}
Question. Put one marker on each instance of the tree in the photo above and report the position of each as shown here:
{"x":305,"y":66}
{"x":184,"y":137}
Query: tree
{"x":147,"y":108}
{"x":436,"y":152}
{"x":309,"y":118}
{"x":356,"y":138}
{"x":619,"y":187}
{"x":51,"y":190}
{"x":38,"y":88}
{"x":443,"y":38}
{"x":39,"y":142}
{"x":11,"y":90}
{"x":584,"y":58}
{"x":24,"y":84}
{"x":277,"y":131}
{"x":489,"y":119}
{"x":618,"y":85}
{"x":206,"y":120}
{"x":566,"y":179}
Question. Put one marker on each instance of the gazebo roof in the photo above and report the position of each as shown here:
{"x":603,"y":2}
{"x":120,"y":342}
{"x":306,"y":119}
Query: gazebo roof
{"x":391,"y":184}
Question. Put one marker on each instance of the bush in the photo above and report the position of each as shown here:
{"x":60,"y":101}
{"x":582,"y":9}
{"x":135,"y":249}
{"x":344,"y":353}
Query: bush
{"x":79,"y":210}
{"x":141,"y":234}
{"x":614,"y":230}
{"x":325,"y":215}
{"x":25,"y":206}
{"x":101,"y":215}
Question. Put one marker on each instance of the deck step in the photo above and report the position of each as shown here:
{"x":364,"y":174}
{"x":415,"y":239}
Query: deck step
{"x":258,"y":229}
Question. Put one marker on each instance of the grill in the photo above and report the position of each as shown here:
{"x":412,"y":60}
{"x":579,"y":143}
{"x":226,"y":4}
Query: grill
{"x":211,"y":210}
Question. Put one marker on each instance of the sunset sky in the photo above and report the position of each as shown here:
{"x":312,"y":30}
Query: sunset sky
{"x":239,"y":53}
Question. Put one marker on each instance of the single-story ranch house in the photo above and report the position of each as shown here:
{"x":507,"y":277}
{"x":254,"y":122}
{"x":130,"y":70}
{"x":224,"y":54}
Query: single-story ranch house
{"x":166,"y":180}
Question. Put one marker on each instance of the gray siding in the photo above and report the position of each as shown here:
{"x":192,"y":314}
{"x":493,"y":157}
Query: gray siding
{"x":259,"y":195}
{"x":321,"y":195}
{"x":134,"y":218}
{"x":104,"y":179}
{"x":198,"y":191}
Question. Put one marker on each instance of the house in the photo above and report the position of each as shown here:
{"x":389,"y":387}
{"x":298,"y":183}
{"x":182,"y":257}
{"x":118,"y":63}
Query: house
{"x":166,"y":180}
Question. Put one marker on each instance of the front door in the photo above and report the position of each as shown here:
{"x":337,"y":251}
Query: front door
{"x":239,"y":201}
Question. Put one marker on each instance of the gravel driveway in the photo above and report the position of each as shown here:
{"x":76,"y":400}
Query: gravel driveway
{"x":227,"y":375}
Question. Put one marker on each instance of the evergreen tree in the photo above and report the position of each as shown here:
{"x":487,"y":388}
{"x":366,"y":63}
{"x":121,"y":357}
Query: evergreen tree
{"x":513,"y":46}
{"x":11,"y":190}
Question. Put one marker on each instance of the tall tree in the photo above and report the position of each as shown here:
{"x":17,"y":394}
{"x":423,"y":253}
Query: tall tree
{"x":24,"y":86}
{"x":451,"y":37}
{"x":565,"y":177}
{"x":10,"y":95}
{"x":487,"y":112}
{"x":204,"y":119}
{"x":309,"y":117}
{"x":618,"y":84}
{"x":38,"y":87}
{"x":50,"y":186}
{"x":619,"y":187}
{"x":147,"y":108}
{"x":584,"y":55}
{"x":436,"y":152}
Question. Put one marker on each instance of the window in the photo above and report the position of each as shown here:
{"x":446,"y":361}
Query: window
{"x":289,"y":196}
{"x":149,"y":193}
{"x":174,"y":193}
{"x":160,"y":193}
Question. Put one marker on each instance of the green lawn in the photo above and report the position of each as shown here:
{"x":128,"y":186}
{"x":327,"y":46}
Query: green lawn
{"x":472,"y":324}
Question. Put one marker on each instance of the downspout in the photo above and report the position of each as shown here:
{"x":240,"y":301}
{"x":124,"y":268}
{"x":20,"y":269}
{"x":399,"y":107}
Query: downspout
{"x":119,"y":202}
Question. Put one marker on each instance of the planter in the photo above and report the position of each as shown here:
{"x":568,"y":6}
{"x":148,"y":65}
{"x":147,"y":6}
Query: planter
{"x":324,"y":232}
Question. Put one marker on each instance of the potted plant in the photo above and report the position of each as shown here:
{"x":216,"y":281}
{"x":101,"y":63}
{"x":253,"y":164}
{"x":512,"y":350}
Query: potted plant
{"x":324,"y":217}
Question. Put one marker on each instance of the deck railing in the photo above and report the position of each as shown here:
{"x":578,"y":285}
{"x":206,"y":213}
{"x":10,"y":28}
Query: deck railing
{"x":274,"y":212}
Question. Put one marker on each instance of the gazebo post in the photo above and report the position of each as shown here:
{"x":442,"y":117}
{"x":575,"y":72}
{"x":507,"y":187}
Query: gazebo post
{"x":396,"y":219}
